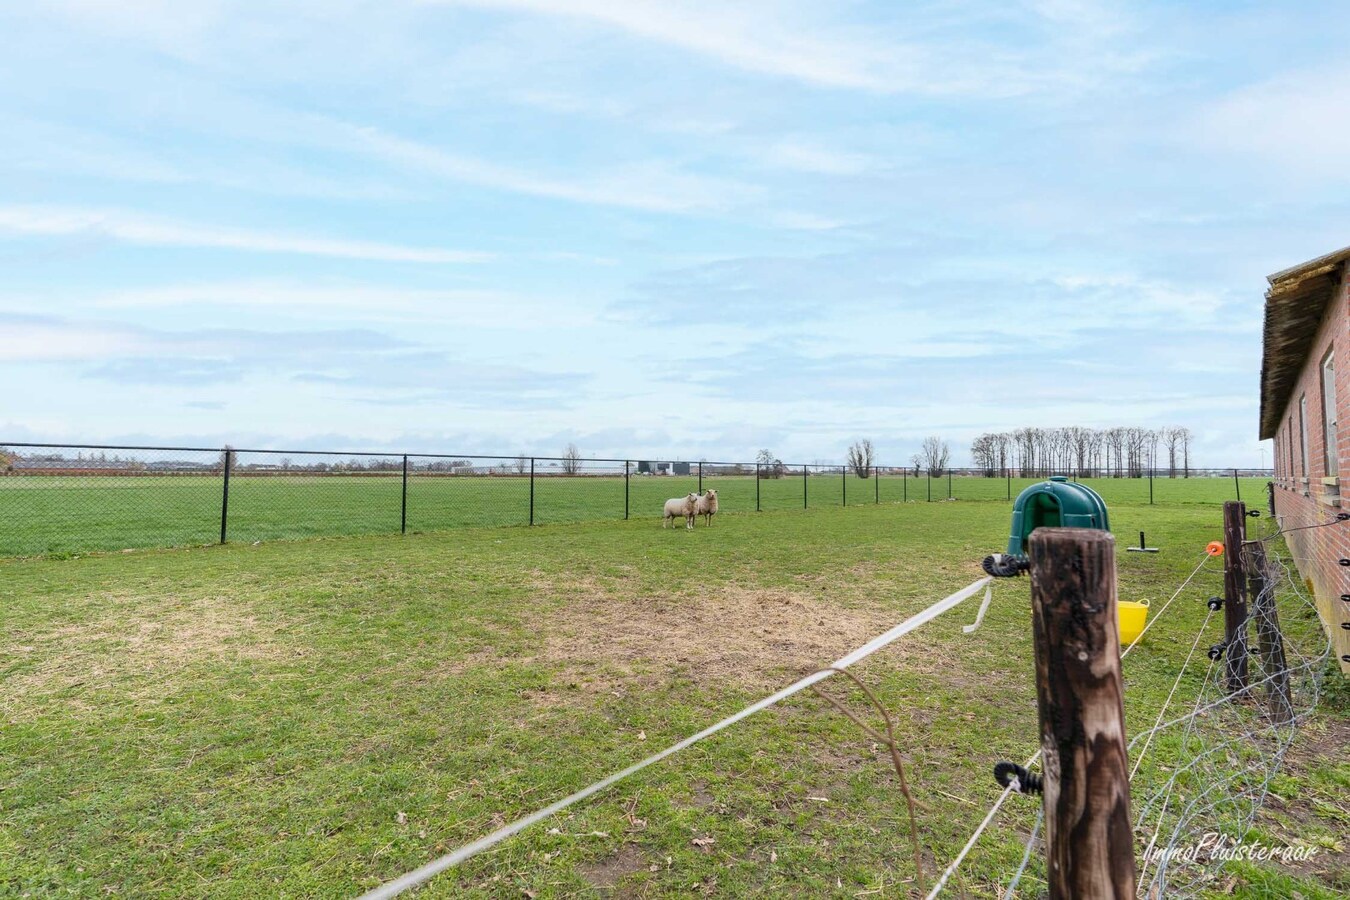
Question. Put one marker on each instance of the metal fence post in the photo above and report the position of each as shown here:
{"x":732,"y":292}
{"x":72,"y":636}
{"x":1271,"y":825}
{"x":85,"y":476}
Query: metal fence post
{"x":531,"y":490}
{"x":904,"y":485}
{"x":700,"y":476}
{"x":843,"y":470}
{"x":928,"y":481}
{"x":757,"y":481}
{"x":625,"y":490}
{"x":804,"y":505}
{"x":1089,"y":841}
{"x":1150,"y":487}
{"x":1008,"y":472}
{"x":876,"y":484}
{"x":949,"y":484}
{"x":403,"y":516}
{"x":1236,"y":486}
{"x":225,"y":493}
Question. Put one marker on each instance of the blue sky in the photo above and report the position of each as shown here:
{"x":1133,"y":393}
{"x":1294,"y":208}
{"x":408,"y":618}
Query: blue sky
{"x":654,"y":228}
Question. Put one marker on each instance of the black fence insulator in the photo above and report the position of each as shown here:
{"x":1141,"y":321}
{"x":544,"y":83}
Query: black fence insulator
{"x":1346,"y":625}
{"x":1341,"y":517}
{"x":1027,"y":782}
{"x":1000,"y":565}
{"x":1254,"y":513}
{"x":1216,"y":652}
{"x":1215,"y":603}
{"x":1345,"y":597}
{"x":1344,"y":562}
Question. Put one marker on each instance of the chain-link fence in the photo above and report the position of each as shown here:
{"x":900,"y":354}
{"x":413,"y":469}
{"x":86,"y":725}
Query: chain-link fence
{"x":62,"y":499}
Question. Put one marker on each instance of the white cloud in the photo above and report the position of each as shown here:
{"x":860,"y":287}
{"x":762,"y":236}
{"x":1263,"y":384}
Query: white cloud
{"x":803,"y":157}
{"x":805,"y":221}
{"x":465,"y":308}
{"x":650,"y":186}
{"x":47,"y":341}
{"x":1297,"y":121}
{"x":730,"y":33}
{"x":136,"y":228}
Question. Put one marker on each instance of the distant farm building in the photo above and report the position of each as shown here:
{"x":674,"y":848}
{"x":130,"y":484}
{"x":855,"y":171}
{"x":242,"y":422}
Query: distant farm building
{"x":1305,"y":383}
{"x":647,"y":467}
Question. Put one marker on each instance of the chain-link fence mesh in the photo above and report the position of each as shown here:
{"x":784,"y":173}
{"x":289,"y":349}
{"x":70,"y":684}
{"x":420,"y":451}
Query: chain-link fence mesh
{"x":62,"y":499}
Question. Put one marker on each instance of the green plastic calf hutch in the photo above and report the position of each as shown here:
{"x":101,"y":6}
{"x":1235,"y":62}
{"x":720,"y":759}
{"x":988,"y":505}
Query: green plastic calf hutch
{"x":1057,"y":503}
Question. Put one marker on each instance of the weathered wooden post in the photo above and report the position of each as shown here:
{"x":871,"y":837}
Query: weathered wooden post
{"x":1234,"y":596}
{"x":1269,"y":639}
{"x":1088,"y":836}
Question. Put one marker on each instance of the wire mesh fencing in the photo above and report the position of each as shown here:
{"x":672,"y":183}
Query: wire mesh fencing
{"x":75,"y":498}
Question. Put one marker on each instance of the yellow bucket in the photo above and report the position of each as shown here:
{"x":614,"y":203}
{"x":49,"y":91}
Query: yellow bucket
{"x":1132,"y":617}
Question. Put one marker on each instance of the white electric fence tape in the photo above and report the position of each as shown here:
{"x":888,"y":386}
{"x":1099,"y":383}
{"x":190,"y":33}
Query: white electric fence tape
{"x":435,"y":867}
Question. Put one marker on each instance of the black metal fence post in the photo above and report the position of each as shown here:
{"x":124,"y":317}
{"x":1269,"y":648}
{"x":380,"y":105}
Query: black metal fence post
{"x":625,"y":490}
{"x":225,"y":493}
{"x":904,"y":485}
{"x":928,"y":480}
{"x":1008,"y":472}
{"x":1150,"y":487}
{"x":804,"y":506}
{"x":949,"y":484}
{"x":531,"y":490}
{"x":757,"y":481}
{"x":700,"y":477}
{"x":403,"y":515}
{"x":876,"y":484}
{"x":1236,"y":486}
{"x":843,"y":470}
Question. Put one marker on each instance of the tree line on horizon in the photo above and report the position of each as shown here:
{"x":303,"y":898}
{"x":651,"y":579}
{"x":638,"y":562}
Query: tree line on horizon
{"x":1120,"y":452}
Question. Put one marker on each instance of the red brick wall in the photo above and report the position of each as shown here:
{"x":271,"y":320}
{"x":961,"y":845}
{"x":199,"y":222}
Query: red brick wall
{"x":1307,"y":498}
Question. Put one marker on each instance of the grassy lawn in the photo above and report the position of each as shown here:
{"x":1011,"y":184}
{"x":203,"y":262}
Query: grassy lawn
{"x":44,"y":514}
{"x":311,"y":718}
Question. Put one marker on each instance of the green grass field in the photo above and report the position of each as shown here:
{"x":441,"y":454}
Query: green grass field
{"x":68,"y":514}
{"x":309,"y":718}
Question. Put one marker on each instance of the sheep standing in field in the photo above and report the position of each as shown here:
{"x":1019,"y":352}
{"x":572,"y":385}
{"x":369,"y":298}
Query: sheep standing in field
{"x":681,"y":506}
{"x":707,"y":506}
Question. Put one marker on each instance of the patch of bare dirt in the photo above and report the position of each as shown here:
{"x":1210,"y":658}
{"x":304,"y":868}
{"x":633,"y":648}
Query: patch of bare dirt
{"x":607,"y":873}
{"x":136,"y":639}
{"x":1292,"y":818}
{"x":730,"y":633}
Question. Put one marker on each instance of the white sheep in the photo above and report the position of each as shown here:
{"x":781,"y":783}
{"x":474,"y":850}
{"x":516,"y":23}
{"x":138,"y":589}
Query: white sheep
{"x":680,"y":506}
{"x":707,"y":506}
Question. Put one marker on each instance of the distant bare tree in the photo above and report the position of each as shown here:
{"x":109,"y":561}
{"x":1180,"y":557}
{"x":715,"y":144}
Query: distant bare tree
{"x":860,"y":457}
{"x":571,"y":460}
{"x":984,"y":454}
{"x":770,"y":466}
{"x":1185,"y":439}
{"x":934,"y":454}
{"x":522,"y":464}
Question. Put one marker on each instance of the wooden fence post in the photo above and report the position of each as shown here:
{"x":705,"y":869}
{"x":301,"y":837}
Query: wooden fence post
{"x":1089,"y":840}
{"x":1271,"y":642}
{"x":1234,"y":596}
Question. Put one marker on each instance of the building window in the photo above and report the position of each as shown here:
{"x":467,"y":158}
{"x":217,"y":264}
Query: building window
{"x":1329,"y":412}
{"x":1303,"y":432}
{"x":1289,"y":434}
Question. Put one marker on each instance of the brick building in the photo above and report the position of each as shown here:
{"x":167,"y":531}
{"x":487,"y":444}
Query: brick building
{"x":1305,"y":383}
